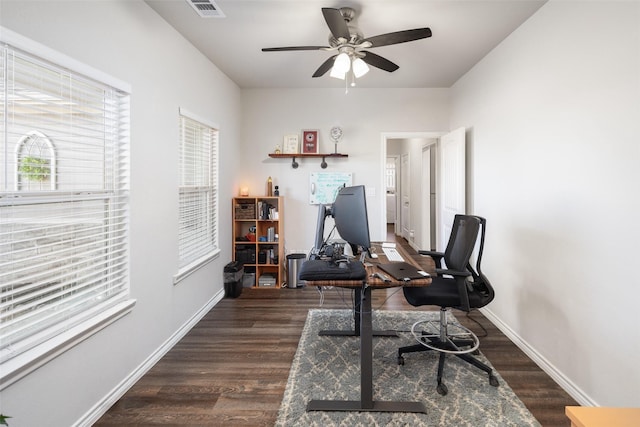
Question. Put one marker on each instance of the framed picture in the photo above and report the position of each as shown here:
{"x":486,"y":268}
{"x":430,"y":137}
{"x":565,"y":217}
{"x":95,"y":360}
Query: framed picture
{"x":290,"y":144}
{"x":310,"y":143}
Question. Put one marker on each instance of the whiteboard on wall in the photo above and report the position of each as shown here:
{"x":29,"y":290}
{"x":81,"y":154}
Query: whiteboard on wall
{"x":324,"y":186}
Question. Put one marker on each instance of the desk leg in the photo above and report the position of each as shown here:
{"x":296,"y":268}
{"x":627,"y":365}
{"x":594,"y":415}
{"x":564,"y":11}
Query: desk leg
{"x":355,"y":332}
{"x":366,"y":402}
{"x":366,"y":351}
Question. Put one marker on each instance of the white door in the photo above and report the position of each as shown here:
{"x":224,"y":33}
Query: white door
{"x":452,"y":183}
{"x":405,"y":191}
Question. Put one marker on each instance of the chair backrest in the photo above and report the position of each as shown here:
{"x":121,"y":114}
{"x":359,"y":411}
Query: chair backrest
{"x":481,"y":284}
{"x":473,"y":291}
{"x":461,"y":241}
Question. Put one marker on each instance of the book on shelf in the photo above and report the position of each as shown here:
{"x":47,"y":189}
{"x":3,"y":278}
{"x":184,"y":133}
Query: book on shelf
{"x":267,"y":211}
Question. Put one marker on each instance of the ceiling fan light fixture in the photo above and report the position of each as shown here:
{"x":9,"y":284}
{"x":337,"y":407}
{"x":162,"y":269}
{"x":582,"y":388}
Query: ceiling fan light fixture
{"x":360,"y":68}
{"x":342,"y":63}
{"x":337,"y":74}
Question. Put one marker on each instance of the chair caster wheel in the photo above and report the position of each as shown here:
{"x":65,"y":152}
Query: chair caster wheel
{"x":493,"y":381}
{"x":442,"y":389}
{"x":401,"y":360}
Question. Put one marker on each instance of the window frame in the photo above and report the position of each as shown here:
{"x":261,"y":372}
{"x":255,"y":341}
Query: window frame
{"x":92,"y":319}
{"x":212,"y":220}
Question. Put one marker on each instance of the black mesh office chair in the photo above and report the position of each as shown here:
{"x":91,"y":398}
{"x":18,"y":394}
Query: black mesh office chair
{"x":457,"y":286}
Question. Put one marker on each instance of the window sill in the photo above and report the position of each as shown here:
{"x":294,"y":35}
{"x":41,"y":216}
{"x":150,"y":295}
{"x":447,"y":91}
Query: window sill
{"x":194,"y":266}
{"x":27,"y":362}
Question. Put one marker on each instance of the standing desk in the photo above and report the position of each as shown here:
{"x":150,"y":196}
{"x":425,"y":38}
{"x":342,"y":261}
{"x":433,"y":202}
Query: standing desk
{"x":363,"y":328}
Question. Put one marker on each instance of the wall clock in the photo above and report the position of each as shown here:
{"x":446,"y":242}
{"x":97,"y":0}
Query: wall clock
{"x":336,"y":134}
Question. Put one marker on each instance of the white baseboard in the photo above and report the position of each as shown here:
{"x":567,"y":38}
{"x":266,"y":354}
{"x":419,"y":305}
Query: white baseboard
{"x":100,"y":408}
{"x":564,"y":382}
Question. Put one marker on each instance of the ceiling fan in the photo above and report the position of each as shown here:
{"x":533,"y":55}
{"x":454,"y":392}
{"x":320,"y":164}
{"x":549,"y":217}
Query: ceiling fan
{"x":352,"y":47}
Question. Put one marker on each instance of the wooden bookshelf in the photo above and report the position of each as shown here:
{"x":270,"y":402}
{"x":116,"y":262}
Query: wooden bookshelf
{"x":258,"y":239}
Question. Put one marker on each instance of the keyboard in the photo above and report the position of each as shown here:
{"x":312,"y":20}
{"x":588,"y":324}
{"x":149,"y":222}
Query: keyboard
{"x":392,"y":254}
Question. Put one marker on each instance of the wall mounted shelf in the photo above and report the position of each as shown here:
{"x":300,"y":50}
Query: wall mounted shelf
{"x":293,"y":157}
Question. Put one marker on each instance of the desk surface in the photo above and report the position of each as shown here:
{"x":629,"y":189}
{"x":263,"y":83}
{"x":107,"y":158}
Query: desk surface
{"x":425,"y":263}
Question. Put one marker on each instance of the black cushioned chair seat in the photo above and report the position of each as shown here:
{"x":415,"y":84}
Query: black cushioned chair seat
{"x":445,"y":292}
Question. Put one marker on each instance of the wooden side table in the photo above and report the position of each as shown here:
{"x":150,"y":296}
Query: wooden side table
{"x":587,"y":416}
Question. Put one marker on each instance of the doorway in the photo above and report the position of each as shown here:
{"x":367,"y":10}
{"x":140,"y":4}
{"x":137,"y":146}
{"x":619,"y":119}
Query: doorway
{"x":406,"y":151}
{"x":422,"y":214}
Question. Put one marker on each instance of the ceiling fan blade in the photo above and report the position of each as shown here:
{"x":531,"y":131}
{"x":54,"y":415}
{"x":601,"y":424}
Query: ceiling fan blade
{"x":336,"y":23}
{"x":279,"y":49}
{"x":326,"y":66}
{"x":399,"y":37}
{"x":379,"y":62}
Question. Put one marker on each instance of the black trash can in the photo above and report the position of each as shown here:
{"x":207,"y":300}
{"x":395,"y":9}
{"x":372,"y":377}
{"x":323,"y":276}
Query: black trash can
{"x":294,"y":262}
{"x":233,"y":273}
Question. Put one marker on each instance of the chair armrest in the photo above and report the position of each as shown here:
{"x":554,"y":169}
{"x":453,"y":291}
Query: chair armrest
{"x":431,"y":253}
{"x":437,"y":256}
{"x":463,"y":292}
{"x":454,"y":273}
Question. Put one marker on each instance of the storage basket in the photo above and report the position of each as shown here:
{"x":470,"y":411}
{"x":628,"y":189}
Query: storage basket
{"x":245,"y":211}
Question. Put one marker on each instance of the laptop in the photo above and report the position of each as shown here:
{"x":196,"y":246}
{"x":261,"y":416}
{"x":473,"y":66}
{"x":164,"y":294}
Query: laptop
{"x":402,"y":270}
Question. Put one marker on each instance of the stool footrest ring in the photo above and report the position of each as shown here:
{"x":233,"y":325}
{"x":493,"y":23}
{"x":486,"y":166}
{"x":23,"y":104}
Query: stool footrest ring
{"x":446,"y":338}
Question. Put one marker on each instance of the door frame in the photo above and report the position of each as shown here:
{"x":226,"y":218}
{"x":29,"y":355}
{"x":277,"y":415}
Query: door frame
{"x":396,"y":161}
{"x":405,"y":189}
{"x":384,"y":138}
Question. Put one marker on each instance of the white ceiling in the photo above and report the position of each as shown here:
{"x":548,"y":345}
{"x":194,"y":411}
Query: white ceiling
{"x":463,"y":33}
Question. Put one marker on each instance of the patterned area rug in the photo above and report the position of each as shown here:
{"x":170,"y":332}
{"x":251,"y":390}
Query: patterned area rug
{"x":329,"y":368}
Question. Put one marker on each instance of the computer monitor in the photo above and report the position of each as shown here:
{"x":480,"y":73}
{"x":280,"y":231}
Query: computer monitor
{"x":349,"y":211}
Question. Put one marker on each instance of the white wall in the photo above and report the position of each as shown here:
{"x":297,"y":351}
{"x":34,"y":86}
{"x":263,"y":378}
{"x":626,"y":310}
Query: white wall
{"x":364,"y":114}
{"x":129,"y":41}
{"x":554,"y":120}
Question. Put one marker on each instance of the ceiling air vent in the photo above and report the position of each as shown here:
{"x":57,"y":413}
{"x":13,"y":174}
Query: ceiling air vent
{"x":206,"y":8}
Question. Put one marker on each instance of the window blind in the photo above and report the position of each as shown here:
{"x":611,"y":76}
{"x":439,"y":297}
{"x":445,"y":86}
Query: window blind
{"x":198,"y":196}
{"x":64,"y":210}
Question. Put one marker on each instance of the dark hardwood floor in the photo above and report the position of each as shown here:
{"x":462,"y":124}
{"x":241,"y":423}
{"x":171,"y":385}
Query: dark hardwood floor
{"x":231,"y":369}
